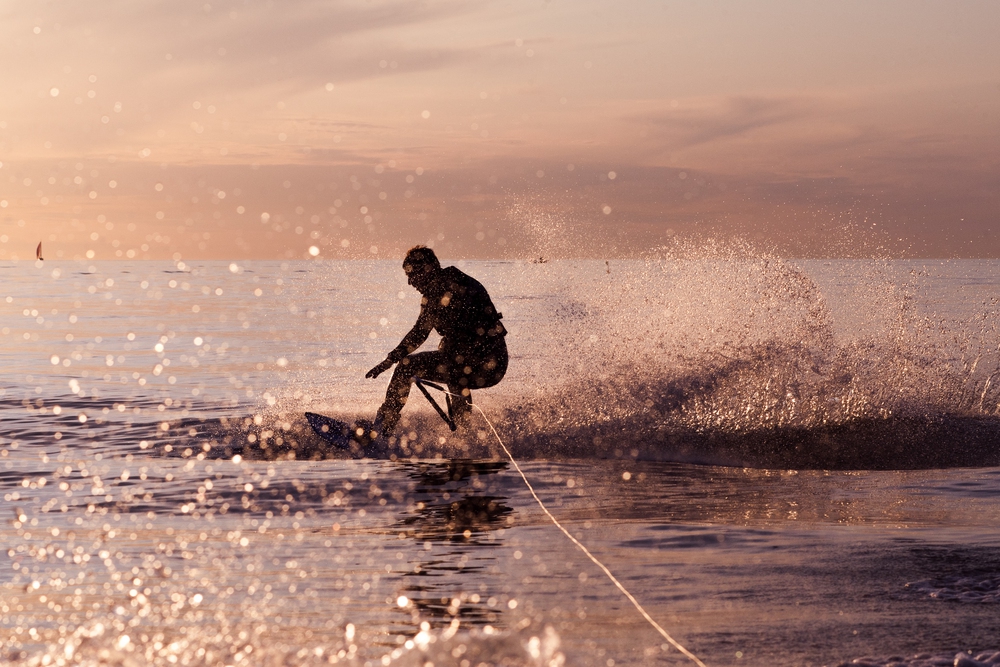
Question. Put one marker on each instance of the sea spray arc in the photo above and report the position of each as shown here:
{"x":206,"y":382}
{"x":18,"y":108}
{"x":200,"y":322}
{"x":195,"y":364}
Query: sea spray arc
{"x":631,"y":598}
{"x":722,"y":357}
{"x":744,"y":359}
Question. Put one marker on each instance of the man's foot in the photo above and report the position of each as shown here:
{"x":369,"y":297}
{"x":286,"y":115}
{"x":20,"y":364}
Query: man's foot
{"x":463,"y":419}
{"x":461,"y":412}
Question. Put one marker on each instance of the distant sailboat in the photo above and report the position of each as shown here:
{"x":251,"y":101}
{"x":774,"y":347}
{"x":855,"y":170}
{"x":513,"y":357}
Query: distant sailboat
{"x":38,"y":252}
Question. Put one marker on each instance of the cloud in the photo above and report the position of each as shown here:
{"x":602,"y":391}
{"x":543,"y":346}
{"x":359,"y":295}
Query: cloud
{"x":254,"y":33}
{"x":729,"y":118}
{"x":158,"y":58}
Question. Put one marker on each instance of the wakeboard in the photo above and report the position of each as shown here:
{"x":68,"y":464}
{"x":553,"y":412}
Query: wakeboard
{"x":356,"y":437}
{"x":332,"y":430}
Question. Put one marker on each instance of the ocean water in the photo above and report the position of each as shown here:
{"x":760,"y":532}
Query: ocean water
{"x":785,"y":462}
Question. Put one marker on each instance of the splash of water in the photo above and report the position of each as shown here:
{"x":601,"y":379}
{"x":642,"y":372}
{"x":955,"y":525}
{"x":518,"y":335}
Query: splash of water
{"x":721,"y":353}
{"x":711,"y":352}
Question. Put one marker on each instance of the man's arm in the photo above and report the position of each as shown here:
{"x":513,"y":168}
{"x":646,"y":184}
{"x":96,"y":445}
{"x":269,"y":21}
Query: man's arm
{"x":411,"y":341}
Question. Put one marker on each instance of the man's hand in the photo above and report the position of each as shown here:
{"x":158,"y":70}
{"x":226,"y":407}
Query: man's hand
{"x":378,"y":370}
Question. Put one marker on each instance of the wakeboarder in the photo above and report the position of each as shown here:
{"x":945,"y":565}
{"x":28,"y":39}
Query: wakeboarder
{"x":472,"y":353}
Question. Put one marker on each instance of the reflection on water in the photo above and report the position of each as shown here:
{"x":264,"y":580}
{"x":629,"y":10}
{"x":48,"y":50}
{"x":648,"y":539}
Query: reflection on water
{"x":454,"y":516}
{"x":285,"y":556}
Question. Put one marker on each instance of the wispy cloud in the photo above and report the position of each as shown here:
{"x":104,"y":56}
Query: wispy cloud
{"x":699,"y":123}
{"x":142,"y":63}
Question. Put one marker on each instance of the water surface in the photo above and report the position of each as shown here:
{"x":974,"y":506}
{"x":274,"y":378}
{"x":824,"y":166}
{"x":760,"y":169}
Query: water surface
{"x":786,"y":463}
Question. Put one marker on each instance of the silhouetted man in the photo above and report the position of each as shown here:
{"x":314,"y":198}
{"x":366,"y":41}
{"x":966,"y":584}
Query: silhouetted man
{"x":472,"y":353}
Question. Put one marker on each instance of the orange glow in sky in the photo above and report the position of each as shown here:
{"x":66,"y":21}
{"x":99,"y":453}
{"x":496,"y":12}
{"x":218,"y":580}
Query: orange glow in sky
{"x":261,"y":129}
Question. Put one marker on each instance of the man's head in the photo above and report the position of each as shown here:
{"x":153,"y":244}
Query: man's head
{"x":420,"y":265}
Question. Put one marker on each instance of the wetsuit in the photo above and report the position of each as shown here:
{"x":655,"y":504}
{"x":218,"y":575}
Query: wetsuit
{"x":472,"y":353}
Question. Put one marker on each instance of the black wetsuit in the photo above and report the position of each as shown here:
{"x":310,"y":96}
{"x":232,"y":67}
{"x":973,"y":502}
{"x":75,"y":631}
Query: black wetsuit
{"x":472,"y":353}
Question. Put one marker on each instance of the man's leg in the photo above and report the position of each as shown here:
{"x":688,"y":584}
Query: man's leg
{"x":475,"y":369}
{"x":427,"y":365}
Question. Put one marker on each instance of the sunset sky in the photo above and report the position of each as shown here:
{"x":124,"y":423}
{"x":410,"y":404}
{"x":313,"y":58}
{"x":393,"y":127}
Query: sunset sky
{"x":256,"y":129}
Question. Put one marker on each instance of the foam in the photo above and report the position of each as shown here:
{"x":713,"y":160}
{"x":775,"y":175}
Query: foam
{"x":972,"y":590}
{"x":960,"y":659}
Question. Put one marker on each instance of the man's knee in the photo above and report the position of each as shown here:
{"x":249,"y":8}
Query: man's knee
{"x":404,"y":372}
